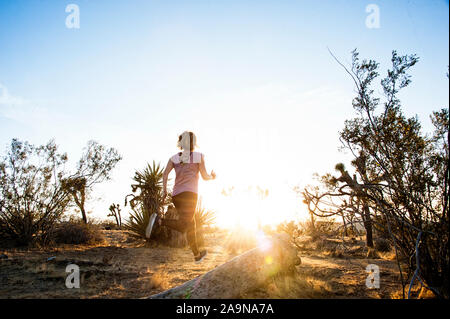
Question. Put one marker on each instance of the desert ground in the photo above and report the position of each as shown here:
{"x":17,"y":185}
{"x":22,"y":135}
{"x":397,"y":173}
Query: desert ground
{"x":125,"y":267}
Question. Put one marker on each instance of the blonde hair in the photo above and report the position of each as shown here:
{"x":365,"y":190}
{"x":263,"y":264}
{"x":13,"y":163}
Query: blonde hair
{"x":187,"y":142}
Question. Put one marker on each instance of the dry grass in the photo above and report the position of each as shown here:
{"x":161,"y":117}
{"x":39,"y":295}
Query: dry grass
{"x":239,"y":241}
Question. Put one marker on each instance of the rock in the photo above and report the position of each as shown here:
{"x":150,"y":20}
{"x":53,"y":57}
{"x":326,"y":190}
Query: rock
{"x":177,"y":239}
{"x":241,"y":274}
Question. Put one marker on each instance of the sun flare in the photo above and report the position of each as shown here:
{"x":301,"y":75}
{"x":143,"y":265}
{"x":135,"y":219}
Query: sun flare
{"x":252,"y":207}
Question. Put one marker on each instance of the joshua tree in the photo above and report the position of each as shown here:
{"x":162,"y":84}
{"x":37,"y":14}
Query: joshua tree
{"x":94,"y":167}
{"x":401,"y":174}
{"x":115,"y":212}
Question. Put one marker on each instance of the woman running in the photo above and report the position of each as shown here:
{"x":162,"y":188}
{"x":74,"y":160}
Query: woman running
{"x":188,"y":164}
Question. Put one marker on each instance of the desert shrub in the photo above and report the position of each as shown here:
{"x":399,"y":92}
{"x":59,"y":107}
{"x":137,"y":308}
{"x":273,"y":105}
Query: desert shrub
{"x":239,"y":240}
{"x":32,"y":200}
{"x":320,"y":243}
{"x":327,"y":227}
{"x":77,"y":232}
{"x":327,"y":247}
{"x":203,"y":216}
{"x":146,"y":199}
{"x":372,"y":253}
{"x":381,"y":228}
{"x":292,"y":229}
{"x":305,"y":228}
{"x":321,"y":228}
{"x":382,"y":244}
{"x":349,"y":230}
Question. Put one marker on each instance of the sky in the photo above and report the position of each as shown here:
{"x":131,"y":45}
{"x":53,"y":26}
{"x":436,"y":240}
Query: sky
{"x":253,"y":79}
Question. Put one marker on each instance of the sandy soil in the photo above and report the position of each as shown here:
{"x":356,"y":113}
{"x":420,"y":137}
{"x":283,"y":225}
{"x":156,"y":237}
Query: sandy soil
{"x":123,"y":267}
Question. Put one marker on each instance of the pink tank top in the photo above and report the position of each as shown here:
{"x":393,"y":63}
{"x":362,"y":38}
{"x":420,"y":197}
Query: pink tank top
{"x":186,"y":179}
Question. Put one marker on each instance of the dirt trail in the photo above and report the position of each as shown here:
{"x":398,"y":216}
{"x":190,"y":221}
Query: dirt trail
{"x":125,"y":268}
{"x":120,"y":268}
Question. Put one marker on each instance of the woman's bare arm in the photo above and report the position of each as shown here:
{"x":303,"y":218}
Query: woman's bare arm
{"x":166,"y":173}
{"x":204,"y":173}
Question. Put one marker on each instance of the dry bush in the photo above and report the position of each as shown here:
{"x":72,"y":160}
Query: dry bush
{"x":372,"y":253}
{"x":348,"y":231}
{"x":292,"y":229}
{"x":76,"y":233}
{"x":382,"y":244}
{"x":321,"y":228}
{"x":158,"y":280}
{"x":239,"y":241}
{"x":305,"y":228}
{"x":324,"y":245}
{"x":327,"y":228}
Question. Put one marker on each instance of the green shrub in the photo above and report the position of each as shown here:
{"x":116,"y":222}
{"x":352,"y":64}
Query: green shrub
{"x":32,"y":200}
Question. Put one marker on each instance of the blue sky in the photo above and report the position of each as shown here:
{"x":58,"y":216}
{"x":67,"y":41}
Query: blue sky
{"x":253,"y":79}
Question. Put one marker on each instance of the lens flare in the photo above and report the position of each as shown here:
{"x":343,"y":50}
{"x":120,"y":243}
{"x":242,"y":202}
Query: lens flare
{"x":264,"y":243}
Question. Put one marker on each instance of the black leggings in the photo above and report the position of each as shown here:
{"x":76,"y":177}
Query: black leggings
{"x":186,"y":203}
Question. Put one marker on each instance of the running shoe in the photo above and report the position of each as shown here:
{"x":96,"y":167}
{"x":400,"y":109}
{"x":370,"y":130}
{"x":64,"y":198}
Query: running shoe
{"x":201,"y":256}
{"x":151,"y":222}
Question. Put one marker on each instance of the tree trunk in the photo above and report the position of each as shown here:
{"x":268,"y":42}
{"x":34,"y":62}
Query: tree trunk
{"x":241,"y":274}
{"x":368,"y":225}
{"x":80,"y":203}
{"x":313,"y":226}
{"x":345,"y":225}
{"x":83,"y":215}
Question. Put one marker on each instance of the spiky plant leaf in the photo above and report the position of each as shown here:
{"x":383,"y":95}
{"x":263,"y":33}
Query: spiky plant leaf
{"x":148,"y":184}
{"x":203,"y":216}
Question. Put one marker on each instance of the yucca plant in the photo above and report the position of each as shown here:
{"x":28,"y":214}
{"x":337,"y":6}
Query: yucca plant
{"x":146,"y":198}
{"x":203,"y":216}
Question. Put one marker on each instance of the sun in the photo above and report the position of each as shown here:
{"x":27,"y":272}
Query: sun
{"x":251,"y":207}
